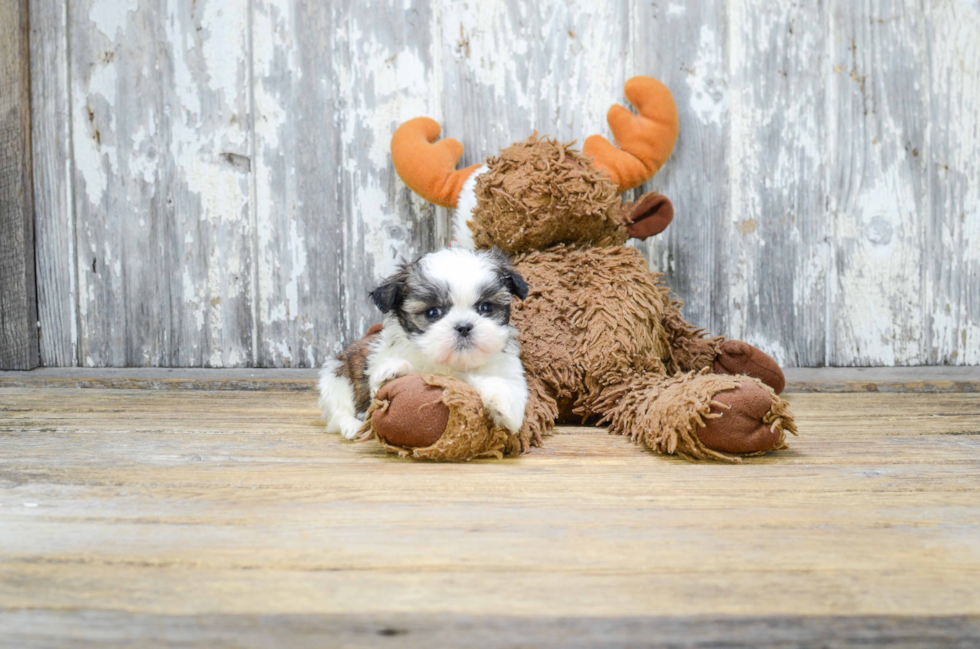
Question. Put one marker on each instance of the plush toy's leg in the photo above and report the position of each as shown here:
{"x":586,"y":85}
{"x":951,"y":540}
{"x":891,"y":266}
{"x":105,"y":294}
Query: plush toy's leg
{"x":434,"y":417}
{"x":691,"y":350}
{"x":697,"y":415}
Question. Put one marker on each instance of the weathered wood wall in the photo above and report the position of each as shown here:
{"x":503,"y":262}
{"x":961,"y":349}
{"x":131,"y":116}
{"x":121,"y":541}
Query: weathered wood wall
{"x":214,"y":186}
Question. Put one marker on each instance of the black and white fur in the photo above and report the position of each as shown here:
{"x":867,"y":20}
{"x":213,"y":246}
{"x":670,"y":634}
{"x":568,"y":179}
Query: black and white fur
{"x":446,"y":313}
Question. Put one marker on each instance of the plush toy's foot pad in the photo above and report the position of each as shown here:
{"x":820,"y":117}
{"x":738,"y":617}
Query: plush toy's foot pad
{"x":741,"y":424}
{"x":736,"y":357}
{"x":415,"y":416}
{"x":433,"y":417}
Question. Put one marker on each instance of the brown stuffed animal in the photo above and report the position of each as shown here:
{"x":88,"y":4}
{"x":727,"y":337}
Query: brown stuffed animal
{"x":602,"y":340}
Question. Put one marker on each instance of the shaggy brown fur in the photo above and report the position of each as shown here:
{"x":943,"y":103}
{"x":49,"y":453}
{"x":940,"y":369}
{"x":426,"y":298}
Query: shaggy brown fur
{"x":588,"y":342}
{"x":540,"y":192}
{"x":691,"y":349}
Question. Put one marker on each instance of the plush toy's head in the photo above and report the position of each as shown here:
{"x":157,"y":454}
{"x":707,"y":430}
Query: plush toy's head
{"x":540,"y":192}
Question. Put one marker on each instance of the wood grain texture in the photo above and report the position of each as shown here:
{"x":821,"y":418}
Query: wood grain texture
{"x":877,"y":169}
{"x":686,"y":44}
{"x":18,"y":298}
{"x":384,"y":68}
{"x":161,"y":141}
{"x":333,"y":80}
{"x":299,"y":225}
{"x":512,"y":68}
{"x":130,"y":509}
{"x":777,"y":229}
{"x":54,"y":227}
{"x":235,"y":167}
{"x":952,"y":234}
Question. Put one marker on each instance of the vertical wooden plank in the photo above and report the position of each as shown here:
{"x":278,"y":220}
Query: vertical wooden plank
{"x":160,"y":119}
{"x":18,"y":302}
{"x":384,"y":65}
{"x":952,"y":237}
{"x":509,"y":68}
{"x":685,"y":45}
{"x":333,"y":80}
{"x":299,"y":228}
{"x":778,"y":223}
{"x":54,"y":224}
{"x":876,"y":156}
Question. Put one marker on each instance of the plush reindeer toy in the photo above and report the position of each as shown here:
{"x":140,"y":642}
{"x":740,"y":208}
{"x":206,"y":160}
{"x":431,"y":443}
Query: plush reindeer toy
{"x":602,"y":340}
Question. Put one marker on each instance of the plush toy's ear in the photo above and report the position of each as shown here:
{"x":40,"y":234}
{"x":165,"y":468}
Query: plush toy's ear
{"x":426,"y":166}
{"x":648,"y":216}
{"x":645,"y":140}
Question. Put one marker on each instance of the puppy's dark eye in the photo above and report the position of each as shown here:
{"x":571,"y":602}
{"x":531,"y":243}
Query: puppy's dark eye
{"x":484,"y":308}
{"x":433,"y":313}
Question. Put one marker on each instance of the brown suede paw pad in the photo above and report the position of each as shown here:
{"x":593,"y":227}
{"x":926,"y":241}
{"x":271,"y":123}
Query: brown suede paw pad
{"x":737,"y":357}
{"x":415,"y":417}
{"x":741,"y":426}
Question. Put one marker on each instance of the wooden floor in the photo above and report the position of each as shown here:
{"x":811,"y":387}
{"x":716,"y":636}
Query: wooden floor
{"x":226,"y":518}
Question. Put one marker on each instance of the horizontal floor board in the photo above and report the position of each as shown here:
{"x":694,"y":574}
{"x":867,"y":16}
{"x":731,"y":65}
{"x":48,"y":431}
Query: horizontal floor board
{"x":126,"y":510}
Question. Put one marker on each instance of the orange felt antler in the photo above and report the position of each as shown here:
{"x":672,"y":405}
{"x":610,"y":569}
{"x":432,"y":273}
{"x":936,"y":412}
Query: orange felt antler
{"x":645,"y":140}
{"x":426,"y":166}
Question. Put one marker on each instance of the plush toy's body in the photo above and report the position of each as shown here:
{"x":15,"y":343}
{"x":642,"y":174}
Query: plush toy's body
{"x":602,"y":340}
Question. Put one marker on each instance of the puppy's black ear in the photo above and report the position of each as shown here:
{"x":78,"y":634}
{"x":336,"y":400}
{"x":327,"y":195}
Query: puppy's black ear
{"x":511,"y":279}
{"x":515,"y":283}
{"x":387,"y":295}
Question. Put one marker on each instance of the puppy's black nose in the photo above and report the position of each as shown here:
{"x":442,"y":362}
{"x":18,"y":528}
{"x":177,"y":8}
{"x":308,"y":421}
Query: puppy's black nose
{"x":464,"y":329}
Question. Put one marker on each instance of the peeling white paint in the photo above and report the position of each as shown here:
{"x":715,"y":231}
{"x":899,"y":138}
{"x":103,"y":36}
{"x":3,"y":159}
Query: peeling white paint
{"x":92,"y":125}
{"x":876,"y":323}
{"x":479,"y":33}
{"x":226,"y":26}
{"x":742,"y":154}
{"x":110,"y":16}
{"x":281,"y":350}
{"x":709,"y":90}
{"x":87,"y":155}
{"x":193,"y":300}
{"x":141,"y":162}
{"x":297,"y":249}
{"x":275,"y":313}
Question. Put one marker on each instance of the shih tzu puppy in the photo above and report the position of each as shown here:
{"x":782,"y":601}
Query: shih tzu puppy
{"x":446,"y":313}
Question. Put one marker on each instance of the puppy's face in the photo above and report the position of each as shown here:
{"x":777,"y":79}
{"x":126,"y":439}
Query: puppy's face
{"x":454,"y":305}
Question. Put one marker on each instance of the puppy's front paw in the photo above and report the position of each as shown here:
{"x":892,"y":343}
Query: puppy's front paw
{"x":505,"y":411}
{"x":350,"y":427}
{"x":387,"y":371}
